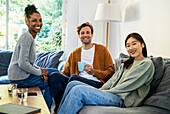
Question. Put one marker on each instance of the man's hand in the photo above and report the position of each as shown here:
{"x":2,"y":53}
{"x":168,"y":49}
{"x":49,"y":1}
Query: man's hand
{"x":44,"y":72}
{"x":88,"y":68}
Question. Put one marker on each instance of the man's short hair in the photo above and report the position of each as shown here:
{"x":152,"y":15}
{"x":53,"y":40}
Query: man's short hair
{"x":84,"y":25}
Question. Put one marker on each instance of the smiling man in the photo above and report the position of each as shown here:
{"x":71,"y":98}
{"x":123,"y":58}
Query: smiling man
{"x":98,"y":64}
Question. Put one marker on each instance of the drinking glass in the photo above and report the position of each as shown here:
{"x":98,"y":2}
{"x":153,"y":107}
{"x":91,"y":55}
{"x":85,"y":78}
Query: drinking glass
{"x":12,"y":89}
{"x":22,"y":94}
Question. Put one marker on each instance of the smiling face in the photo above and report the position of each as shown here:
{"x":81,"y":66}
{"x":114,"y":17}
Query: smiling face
{"x":134,"y":48}
{"x":34,"y":24}
{"x":85,"y":35}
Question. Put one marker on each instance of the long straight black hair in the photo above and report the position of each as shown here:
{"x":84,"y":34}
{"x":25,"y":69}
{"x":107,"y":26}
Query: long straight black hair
{"x":144,"y":50}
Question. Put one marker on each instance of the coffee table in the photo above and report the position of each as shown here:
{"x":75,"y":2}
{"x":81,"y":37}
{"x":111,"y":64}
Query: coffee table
{"x":33,"y":101}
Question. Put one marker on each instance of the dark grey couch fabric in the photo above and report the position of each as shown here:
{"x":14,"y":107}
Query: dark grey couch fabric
{"x":161,"y":98}
{"x":117,"y":110}
{"x":5,"y":57}
{"x":157,"y":77}
{"x":157,"y":101}
{"x":48,"y":59}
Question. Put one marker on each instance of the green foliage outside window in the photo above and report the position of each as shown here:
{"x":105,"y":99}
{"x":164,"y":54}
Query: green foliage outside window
{"x":50,"y":37}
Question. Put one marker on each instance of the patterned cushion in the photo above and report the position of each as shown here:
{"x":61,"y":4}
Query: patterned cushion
{"x":48,"y":59}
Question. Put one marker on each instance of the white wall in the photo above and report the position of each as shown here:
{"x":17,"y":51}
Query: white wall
{"x":148,"y":17}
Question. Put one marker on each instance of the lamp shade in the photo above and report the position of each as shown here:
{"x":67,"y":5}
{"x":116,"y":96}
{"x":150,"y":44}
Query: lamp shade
{"x":108,"y":12}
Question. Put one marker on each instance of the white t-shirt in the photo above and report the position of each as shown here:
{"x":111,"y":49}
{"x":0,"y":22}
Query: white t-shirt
{"x":87,"y":56}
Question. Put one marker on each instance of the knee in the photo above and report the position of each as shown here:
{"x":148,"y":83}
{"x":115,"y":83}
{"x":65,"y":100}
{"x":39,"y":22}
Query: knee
{"x":73,"y":83}
{"x":75,"y":91}
{"x":73,"y":77}
{"x":79,"y":90}
{"x":54,"y":77}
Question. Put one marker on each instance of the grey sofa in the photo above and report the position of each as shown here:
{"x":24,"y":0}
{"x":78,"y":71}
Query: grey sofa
{"x":157,"y":101}
{"x":50,"y":59}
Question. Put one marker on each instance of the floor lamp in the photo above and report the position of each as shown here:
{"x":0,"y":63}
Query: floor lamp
{"x":108,"y":12}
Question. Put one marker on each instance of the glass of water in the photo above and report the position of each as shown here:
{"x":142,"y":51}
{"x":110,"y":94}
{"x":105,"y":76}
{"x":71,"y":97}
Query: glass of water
{"x":22,"y":94}
{"x":12,"y":89}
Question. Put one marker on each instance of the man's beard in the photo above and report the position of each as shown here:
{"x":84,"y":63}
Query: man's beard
{"x":86,"y":42}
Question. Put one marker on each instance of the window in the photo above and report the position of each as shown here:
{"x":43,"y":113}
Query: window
{"x":12,"y":23}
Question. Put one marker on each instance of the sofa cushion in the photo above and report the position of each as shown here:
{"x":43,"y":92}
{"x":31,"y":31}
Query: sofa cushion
{"x":122,"y":55}
{"x":5,"y":57}
{"x":4,"y":79}
{"x":48,"y":59}
{"x":158,"y":63}
{"x":61,"y":65}
{"x":117,"y":110}
{"x":118,"y":62}
{"x":162,"y":96}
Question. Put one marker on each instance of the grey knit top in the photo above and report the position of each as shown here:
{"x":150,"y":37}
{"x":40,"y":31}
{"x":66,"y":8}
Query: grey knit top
{"x":23,"y":58}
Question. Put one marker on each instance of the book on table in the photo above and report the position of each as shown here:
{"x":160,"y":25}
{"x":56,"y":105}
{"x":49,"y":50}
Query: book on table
{"x":11,"y":108}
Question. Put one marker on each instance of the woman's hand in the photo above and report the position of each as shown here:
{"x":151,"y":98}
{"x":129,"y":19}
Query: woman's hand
{"x":88,"y":68}
{"x":101,"y":88}
{"x":44,"y":74}
{"x":44,"y":71}
{"x":45,"y":78}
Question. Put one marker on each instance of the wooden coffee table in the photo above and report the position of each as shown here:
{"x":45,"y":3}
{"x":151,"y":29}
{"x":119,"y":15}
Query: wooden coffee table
{"x":33,"y":101}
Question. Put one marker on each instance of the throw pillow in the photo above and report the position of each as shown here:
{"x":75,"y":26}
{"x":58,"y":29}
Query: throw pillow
{"x":5,"y":57}
{"x":162,"y":96}
{"x":158,"y":63}
{"x":48,"y":59}
{"x":122,"y":55}
{"x":61,"y":65}
{"x":118,"y":61}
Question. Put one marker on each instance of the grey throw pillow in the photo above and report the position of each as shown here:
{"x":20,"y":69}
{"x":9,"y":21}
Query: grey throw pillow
{"x":162,"y":96}
{"x":158,"y":63}
{"x":48,"y":59}
{"x":5,"y":57}
{"x":122,"y":55}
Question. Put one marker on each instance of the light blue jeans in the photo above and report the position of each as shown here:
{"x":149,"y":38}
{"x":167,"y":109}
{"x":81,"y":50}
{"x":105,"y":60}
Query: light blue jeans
{"x":78,"y":94}
{"x":36,"y":81}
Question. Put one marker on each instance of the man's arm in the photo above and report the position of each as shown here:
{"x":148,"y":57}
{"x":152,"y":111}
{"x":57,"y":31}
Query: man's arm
{"x":108,"y":66}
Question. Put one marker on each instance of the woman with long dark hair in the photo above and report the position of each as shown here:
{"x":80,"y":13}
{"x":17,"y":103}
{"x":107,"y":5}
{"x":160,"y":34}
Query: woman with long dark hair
{"x":126,"y":88}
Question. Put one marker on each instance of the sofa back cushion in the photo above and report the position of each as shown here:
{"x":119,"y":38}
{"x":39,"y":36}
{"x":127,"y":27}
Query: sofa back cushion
{"x":157,"y":77}
{"x":48,"y":59}
{"x":5,"y":57}
{"x":162,"y":96}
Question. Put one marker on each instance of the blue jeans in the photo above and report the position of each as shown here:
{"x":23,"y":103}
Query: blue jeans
{"x":78,"y":94}
{"x":36,"y":81}
{"x":58,"y":83}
